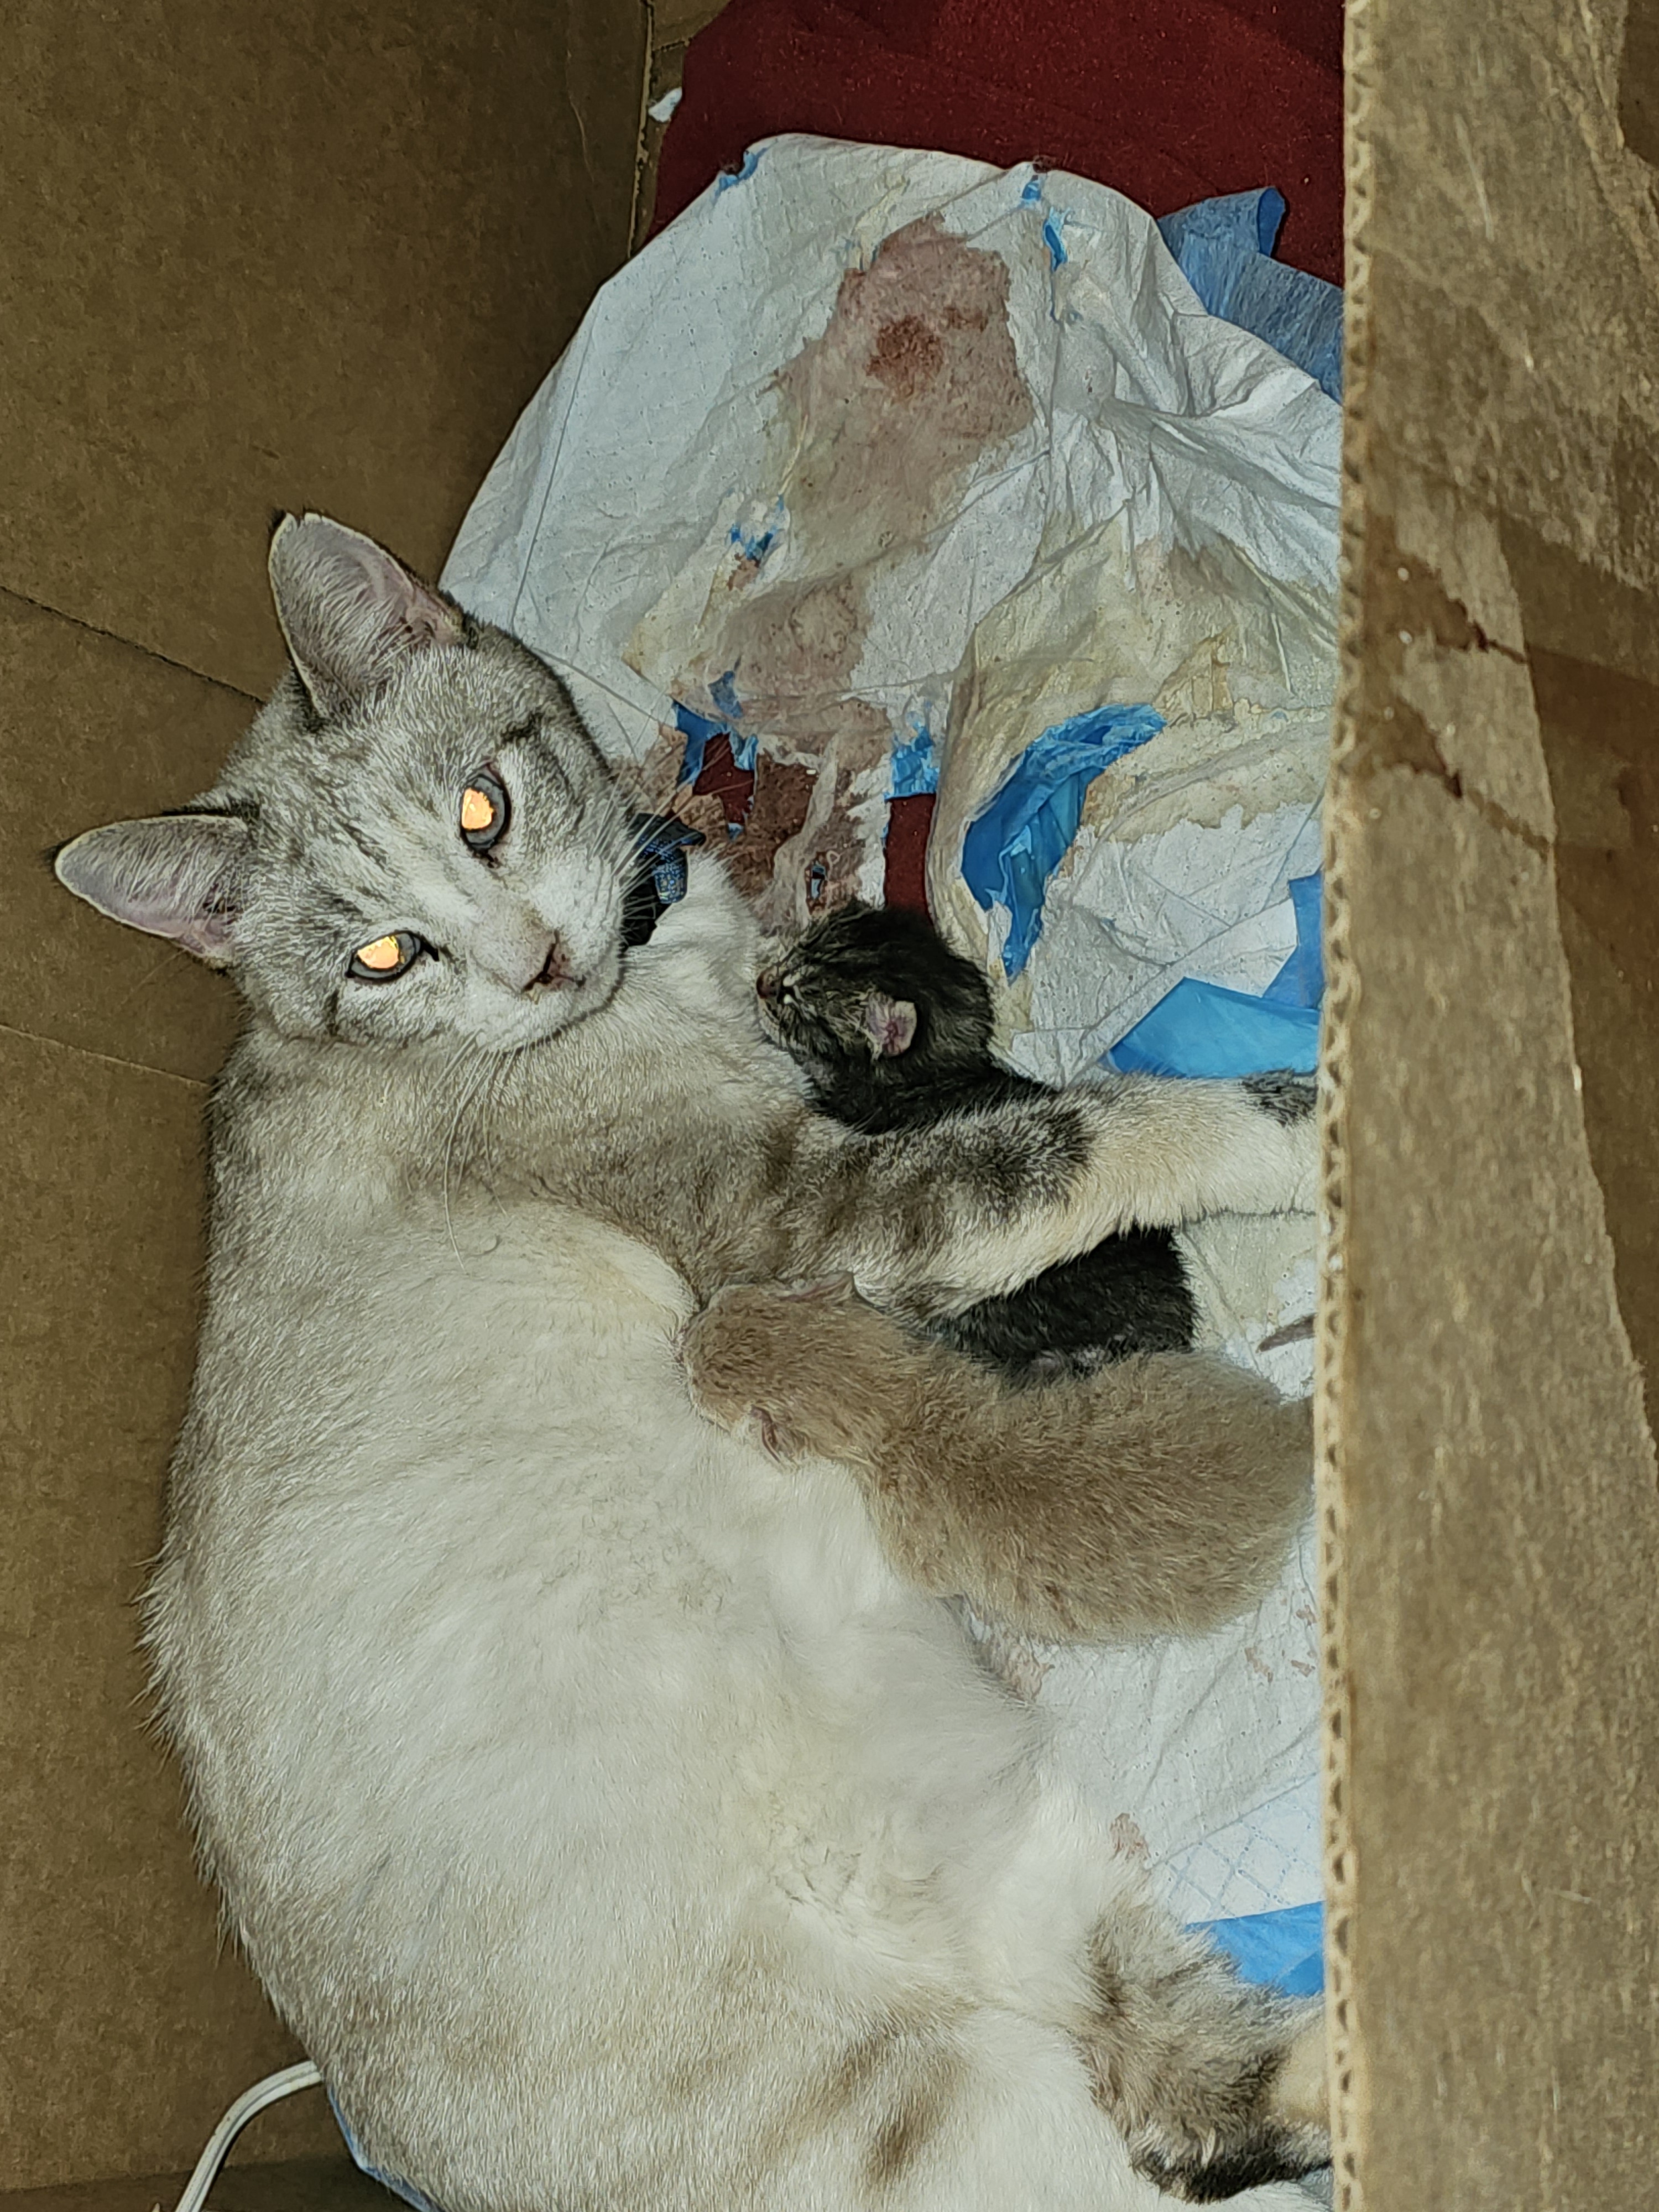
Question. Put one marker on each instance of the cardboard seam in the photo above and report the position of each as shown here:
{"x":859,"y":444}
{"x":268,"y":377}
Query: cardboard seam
{"x":94,"y":629}
{"x":641,"y":133}
{"x":108,"y":1059}
{"x":1345,"y":2056}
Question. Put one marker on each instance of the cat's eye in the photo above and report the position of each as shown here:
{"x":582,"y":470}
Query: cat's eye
{"x":485,"y":810}
{"x":386,"y":957}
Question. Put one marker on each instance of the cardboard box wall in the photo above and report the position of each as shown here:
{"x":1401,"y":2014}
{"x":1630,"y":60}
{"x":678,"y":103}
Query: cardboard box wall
{"x":296,"y":254}
{"x":312,"y":256}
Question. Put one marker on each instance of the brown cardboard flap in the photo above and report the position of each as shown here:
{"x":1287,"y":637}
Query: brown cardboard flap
{"x":282,"y":256}
{"x":1492,"y":1304}
{"x":92,"y":731}
{"x":125,"y":2025}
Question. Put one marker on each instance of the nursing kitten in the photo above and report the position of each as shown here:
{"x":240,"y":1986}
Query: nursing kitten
{"x":610,"y":1820}
{"x":893,"y":1031}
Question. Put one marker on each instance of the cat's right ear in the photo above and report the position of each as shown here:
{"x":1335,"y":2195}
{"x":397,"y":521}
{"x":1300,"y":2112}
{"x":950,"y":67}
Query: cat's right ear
{"x":179,"y":876}
{"x":351,"y":614}
{"x":891,"y":1023}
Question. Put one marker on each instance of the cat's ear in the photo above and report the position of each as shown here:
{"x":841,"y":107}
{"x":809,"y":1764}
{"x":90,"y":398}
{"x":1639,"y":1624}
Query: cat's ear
{"x":180,"y":876}
{"x":351,"y":614}
{"x":891,"y":1023}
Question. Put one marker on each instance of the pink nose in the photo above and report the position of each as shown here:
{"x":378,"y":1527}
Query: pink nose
{"x":554,"y":970}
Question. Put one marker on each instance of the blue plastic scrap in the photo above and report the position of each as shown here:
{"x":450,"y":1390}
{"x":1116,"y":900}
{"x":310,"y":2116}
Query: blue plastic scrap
{"x":914,"y":770}
{"x":1283,"y":1950}
{"x":1026,"y":828}
{"x":1224,"y":247}
{"x":700,"y":731}
{"x":1205,"y":1030}
{"x":406,"y":2189}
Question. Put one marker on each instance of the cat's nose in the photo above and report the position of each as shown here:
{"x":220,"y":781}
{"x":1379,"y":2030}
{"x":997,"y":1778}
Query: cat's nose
{"x":554,"y":970}
{"x":767,"y":984}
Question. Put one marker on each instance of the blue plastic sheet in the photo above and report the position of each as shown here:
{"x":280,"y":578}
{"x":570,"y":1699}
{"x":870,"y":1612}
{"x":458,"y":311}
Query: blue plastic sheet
{"x":1283,"y":1950}
{"x":1202,"y":1030}
{"x":1019,"y":840}
{"x":1225,"y":248}
{"x":1301,"y":981}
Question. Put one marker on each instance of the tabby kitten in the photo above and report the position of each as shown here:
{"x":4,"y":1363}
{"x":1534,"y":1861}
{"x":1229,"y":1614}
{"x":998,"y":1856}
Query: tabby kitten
{"x":612,"y":1821}
{"x":893,"y":1031}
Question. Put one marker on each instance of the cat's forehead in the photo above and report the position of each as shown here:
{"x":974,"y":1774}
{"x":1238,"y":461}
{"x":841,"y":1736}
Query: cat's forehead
{"x":407,"y":750}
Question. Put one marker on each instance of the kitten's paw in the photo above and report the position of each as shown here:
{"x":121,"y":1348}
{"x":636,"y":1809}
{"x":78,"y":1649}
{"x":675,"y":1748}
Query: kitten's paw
{"x":791,"y":1367}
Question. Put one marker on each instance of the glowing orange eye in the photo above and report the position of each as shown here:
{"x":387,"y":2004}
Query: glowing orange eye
{"x":484,"y":809}
{"x":386,"y":956}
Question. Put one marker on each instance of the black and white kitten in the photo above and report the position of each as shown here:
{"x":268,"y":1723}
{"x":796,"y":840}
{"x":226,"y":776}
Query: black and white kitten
{"x":893,"y":1032}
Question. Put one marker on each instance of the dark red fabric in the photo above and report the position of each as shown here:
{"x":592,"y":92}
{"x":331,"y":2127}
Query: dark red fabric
{"x":1166,"y":101}
{"x":908,"y":821}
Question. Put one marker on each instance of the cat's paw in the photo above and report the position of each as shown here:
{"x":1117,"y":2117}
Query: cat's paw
{"x":1202,"y":2170}
{"x":1269,"y":2123}
{"x":1218,"y":2085}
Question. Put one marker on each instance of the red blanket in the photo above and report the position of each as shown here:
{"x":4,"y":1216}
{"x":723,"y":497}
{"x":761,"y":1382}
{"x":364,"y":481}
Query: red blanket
{"x":1167,"y":100}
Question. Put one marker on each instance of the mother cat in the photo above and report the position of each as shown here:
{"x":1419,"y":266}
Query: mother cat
{"x":612,"y":1824}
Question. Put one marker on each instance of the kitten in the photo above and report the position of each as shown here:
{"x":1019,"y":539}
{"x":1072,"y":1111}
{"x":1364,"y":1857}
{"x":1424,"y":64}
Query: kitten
{"x":609,"y":1818}
{"x":893,"y":1031}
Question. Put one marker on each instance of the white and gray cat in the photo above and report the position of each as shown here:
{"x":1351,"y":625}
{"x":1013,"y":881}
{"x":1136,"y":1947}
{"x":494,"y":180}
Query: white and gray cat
{"x":613,"y":1823}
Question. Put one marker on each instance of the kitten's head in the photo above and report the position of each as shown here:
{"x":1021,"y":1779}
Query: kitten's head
{"x":417,"y":839}
{"x":878,"y":990}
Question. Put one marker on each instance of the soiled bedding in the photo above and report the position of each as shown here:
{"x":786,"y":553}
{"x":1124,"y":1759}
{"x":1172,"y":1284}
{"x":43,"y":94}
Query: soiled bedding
{"x":883,"y":477}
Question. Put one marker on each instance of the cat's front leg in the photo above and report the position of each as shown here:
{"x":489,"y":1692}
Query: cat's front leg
{"x":1161,"y":1494}
{"x":930,"y":1221}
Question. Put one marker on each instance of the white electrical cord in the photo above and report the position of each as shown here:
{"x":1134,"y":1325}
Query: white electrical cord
{"x":237,"y":2116}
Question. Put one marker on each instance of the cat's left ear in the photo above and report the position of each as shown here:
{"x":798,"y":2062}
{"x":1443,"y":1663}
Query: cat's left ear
{"x":180,"y":876}
{"x":892,"y":1024}
{"x":351,"y":614}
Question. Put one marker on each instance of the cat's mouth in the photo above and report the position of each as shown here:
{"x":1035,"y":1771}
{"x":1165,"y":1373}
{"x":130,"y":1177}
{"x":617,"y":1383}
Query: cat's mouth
{"x":560,"y":1001}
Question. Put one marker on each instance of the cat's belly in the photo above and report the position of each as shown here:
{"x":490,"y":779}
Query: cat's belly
{"x":529,"y":1710}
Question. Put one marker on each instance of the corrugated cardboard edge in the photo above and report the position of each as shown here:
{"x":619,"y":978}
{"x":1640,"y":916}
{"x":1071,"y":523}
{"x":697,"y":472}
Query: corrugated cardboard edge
{"x":1347,"y":2091}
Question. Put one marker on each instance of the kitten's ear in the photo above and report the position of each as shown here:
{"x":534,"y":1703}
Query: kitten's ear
{"x":891,"y":1023}
{"x":350,"y":613}
{"x":180,"y":876}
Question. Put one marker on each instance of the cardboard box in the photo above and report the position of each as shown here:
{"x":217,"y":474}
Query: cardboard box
{"x":284,"y":256}
{"x":321,"y":256}
{"x":1490,"y":1315}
